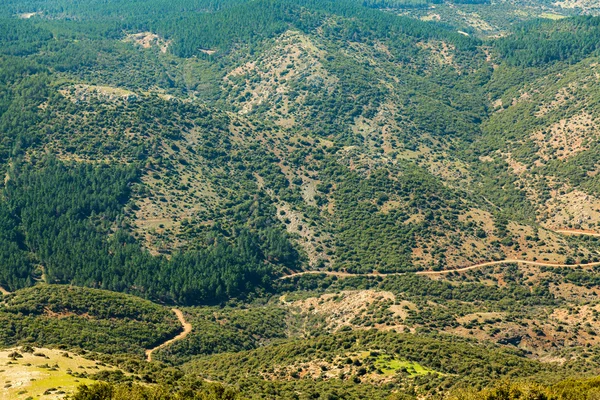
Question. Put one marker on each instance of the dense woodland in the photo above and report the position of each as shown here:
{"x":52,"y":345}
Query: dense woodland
{"x":67,"y":236}
{"x":192,"y":153}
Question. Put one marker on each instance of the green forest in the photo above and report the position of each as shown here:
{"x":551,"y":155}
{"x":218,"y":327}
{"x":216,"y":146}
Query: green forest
{"x":300,"y":199}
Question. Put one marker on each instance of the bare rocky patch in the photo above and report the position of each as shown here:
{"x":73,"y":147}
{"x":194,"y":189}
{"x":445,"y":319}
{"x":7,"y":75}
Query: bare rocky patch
{"x":567,"y":137}
{"x":311,"y":240}
{"x":441,"y":53}
{"x":586,"y":5}
{"x":571,"y":208}
{"x":148,"y":40}
{"x":84,"y":92}
{"x":28,"y":15}
{"x":356,"y":309}
{"x":294,"y":57}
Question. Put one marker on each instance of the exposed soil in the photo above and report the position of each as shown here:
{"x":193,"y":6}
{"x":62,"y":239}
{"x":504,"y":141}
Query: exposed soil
{"x":566,"y":137}
{"x":187,"y":328}
{"x":457,"y":270}
{"x":148,"y":39}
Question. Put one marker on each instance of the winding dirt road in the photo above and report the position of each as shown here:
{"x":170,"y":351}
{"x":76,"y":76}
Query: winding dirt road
{"x":507,"y":261}
{"x":443,"y":272}
{"x":474,"y":266}
{"x":187,"y":328}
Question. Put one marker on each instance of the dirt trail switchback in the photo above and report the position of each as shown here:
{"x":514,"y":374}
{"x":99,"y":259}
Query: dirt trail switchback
{"x":187,"y":328}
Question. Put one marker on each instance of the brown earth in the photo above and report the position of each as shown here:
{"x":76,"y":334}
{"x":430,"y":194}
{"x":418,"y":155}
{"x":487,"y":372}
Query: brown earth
{"x":187,"y":328}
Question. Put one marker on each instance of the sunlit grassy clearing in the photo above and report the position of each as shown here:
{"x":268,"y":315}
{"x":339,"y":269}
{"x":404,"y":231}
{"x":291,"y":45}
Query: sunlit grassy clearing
{"x":33,"y":375}
{"x":390,"y":366}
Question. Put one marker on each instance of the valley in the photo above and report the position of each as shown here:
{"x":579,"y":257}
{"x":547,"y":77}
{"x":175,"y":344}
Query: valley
{"x":293,"y":199}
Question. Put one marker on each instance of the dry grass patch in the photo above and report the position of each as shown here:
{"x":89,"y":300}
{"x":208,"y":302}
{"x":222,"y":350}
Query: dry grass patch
{"x":294,"y":57}
{"x":355,"y":308}
{"x":566,"y":137}
{"x":48,"y":374}
{"x":572,"y":209}
{"x":480,"y":317}
{"x":571,"y":292}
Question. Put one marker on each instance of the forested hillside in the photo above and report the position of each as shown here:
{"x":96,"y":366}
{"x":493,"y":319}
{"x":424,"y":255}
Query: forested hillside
{"x":83,"y":318}
{"x":347,"y":199}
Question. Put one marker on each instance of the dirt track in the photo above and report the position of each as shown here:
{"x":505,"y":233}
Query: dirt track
{"x":474,"y":266}
{"x":577,"y":232}
{"x":187,"y":328}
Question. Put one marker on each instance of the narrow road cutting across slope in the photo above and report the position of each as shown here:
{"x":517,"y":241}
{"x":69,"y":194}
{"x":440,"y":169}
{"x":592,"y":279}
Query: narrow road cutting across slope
{"x":443,"y":272}
{"x":464,"y":269}
{"x":577,"y":232}
{"x":187,"y":328}
{"x":507,"y":261}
